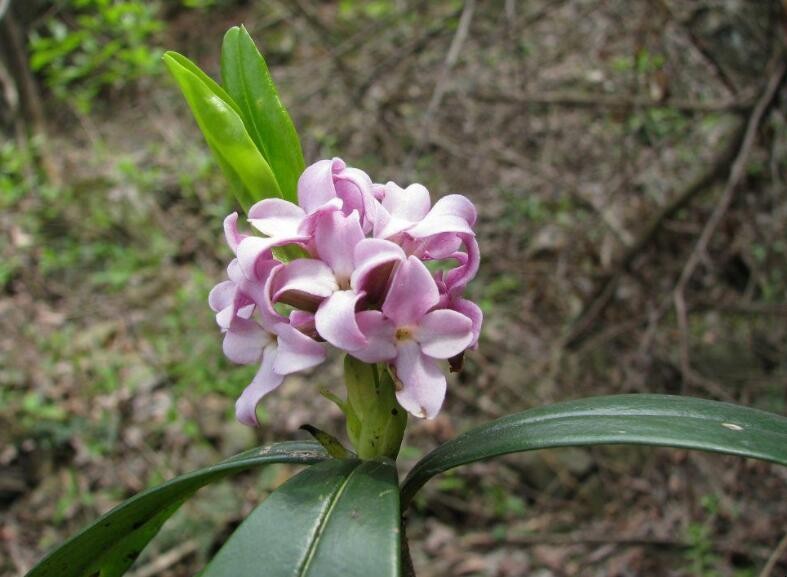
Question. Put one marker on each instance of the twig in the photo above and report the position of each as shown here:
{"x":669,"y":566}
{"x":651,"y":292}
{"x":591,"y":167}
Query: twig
{"x":450,"y":61}
{"x":736,"y":175}
{"x":581,"y":327}
{"x":700,"y":47}
{"x":584,"y":100}
{"x":167,"y":560}
{"x":777,"y":554}
{"x":400,"y":55}
{"x":328,"y":40}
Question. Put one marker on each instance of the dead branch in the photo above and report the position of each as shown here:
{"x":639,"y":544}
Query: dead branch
{"x":403,"y":52}
{"x":736,"y":175}
{"x":329,"y":41}
{"x":581,"y":327}
{"x":167,"y":560}
{"x":702,"y":50}
{"x":450,"y":61}
{"x":777,"y":554}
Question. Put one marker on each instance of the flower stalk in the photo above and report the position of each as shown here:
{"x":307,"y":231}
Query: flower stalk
{"x":375,"y":420}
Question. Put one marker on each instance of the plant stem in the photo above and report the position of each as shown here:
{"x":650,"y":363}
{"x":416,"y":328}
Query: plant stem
{"x":408,"y":570}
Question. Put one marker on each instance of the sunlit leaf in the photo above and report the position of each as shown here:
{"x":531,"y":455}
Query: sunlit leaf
{"x":246,"y":77}
{"x":662,"y":420}
{"x":244,"y":166}
{"x":108,"y":547}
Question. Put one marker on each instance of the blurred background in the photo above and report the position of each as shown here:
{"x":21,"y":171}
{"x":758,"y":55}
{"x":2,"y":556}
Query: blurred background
{"x":628,"y":159}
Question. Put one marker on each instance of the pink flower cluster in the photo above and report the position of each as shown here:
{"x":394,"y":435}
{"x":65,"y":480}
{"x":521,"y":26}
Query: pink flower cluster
{"x":361,"y":286}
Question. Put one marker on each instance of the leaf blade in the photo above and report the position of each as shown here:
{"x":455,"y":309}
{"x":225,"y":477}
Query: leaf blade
{"x":110,"y":545}
{"x":337,"y":518}
{"x":216,"y":114}
{"x":663,"y":420}
{"x":246,"y":77}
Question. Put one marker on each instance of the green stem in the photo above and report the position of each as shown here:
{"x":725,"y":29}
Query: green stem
{"x":375,"y":420}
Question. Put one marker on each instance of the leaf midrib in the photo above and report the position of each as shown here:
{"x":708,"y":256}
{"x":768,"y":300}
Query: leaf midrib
{"x":247,"y":105}
{"x":323,"y":523}
{"x":506,"y":427}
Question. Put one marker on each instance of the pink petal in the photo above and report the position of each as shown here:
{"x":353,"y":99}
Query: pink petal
{"x":276,"y":217}
{"x":244,"y":341}
{"x":231,"y":233}
{"x":309,"y":224}
{"x":455,"y":205}
{"x":354,"y":187}
{"x":263,"y":383}
{"x":315,"y":185}
{"x":254,"y":250}
{"x":458,"y":278}
{"x":378,"y":191}
{"x":296,"y":351}
{"x":222,"y":296}
{"x":413,"y":292}
{"x":410,"y":204}
{"x":423,"y":383}
{"x":261,"y":294}
{"x":474,"y":313}
{"x":224,"y":317}
{"x":388,"y":226}
{"x":335,"y":321}
{"x":444,"y":333}
{"x":379,"y":332}
{"x":304,"y":283}
{"x":303,"y":321}
{"x":441,"y":246}
{"x":234,"y":272}
{"x":336,"y":236}
{"x":375,"y":260}
{"x":400,"y":209}
{"x":452,"y":213}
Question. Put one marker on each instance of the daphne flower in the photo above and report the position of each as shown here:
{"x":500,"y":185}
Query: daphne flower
{"x":349,"y":268}
{"x":410,"y":336}
{"x":324,"y":186}
{"x":278,"y":344}
{"x":360,"y":286}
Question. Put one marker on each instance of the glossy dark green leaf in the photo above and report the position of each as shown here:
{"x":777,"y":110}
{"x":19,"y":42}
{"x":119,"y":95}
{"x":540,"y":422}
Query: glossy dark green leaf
{"x":108,"y":547}
{"x":218,"y":118}
{"x":663,"y":420}
{"x":246,"y":77}
{"x":337,"y":519}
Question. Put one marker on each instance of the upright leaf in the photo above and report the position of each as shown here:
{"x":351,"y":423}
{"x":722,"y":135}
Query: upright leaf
{"x":246,"y":77}
{"x":108,"y":547}
{"x":217,"y":115}
{"x":665,"y":420}
{"x":211,"y":84}
{"x":335,"y":519}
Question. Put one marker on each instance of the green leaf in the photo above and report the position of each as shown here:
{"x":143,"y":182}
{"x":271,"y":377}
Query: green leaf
{"x":212,"y":85}
{"x":331,"y":444}
{"x":217,"y":115}
{"x":247,"y":79}
{"x":108,"y":547}
{"x":664,"y":420}
{"x":338,"y":518}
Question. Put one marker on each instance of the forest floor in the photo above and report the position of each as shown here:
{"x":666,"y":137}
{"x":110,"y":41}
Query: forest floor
{"x":596,"y":138}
